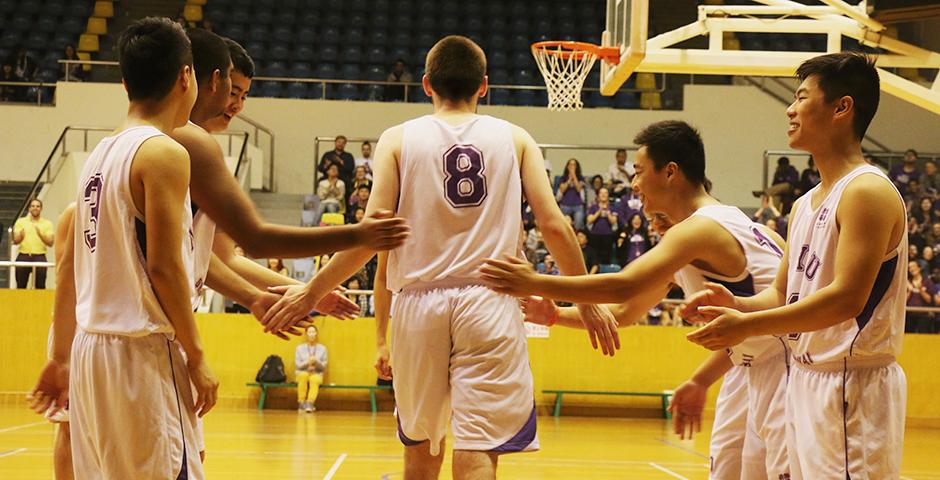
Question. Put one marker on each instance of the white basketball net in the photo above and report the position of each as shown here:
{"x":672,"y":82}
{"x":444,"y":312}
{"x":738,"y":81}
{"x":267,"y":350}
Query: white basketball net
{"x":564,"y":75}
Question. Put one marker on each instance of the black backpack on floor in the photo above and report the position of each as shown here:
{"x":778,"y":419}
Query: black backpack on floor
{"x":272,"y":371}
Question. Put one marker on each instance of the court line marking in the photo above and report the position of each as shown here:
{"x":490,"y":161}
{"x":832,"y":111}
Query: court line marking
{"x":11,"y":453}
{"x":18,"y":427}
{"x":906,"y":478}
{"x":667,"y":471}
{"x":339,"y":461}
{"x":680,"y":447}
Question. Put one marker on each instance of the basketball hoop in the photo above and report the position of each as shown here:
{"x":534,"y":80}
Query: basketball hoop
{"x":565,"y":66}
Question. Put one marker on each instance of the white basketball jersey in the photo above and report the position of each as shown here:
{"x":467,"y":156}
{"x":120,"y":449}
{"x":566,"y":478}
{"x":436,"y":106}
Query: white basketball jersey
{"x":461,"y":193}
{"x":813,"y":238}
{"x":113,"y":291}
{"x":203,"y":236}
{"x":763,"y":259}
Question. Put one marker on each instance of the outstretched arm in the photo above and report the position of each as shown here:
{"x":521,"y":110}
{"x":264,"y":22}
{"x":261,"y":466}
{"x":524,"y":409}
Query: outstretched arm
{"x":544,"y":311}
{"x":383,"y":306}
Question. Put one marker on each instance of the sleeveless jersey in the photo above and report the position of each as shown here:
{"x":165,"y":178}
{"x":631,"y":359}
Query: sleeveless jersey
{"x":203,"y":236}
{"x":461,"y":193}
{"x":763,"y":259}
{"x":813,"y":238}
{"x":113,"y":290}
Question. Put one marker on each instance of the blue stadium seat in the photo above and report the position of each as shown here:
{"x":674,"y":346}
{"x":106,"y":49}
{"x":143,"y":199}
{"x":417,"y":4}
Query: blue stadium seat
{"x":359,"y":6}
{"x":315,"y":90}
{"x":326,"y":71}
{"x":258,"y":33}
{"x":279,"y":51}
{"x":329,"y":54}
{"x":626,"y":100}
{"x":566,"y":26}
{"x":275,"y":69}
{"x":282,"y":34}
{"x":400,"y":52}
{"x":296,"y":90}
{"x":286,"y":18}
{"x":801,"y":44}
{"x":403,"y":22}
{"x":499,"y":26}
{"x":417,"y":95}
{"x":301,"y":70}
{"x":235,"y":31}
{"x":333,"y":18}
{"x":522,"y":58}
{"x":47,"y":24}
{"x":378,"y":54}
{"x":9,"y":39}
{"x":306,"y":35}
{"x":498,"y":59}
{"x":596,"y":100}
{"x":541,"y":10}
{"x":374,"y":93}
{"x":354,"y":36}
{"x":426,"y":22}
{"x":334,"y":5}
{"x":474,"y":25}
{"x":309,"y":19}
{"x":348,"y":91}
{"x":49,"y":61}
{"x":305,"y":53}
{"x":7,"y":6}
{"x":519,"y":10}
{"x":520,"y":42}
{"x":564,"y":10}
{"x":524,"y":97}
{"x":450,"y":25}
{"x":499,"y":96}
{"x":255,"y":50}
{"x":426,"y":40}
{"x":380,"y":20}
{"x":330,"y":36}
{"x":272,"y":89}
{"x":377,"y":37}
{"x":401,"y":39}
{"x":20,"y":22}
{"x":352,"y":54}
{"x":72,"y":26}
{"x":524,"y":77}
{"x":375,"y":73}
{"x":240,"y":15}
{"x":263,"y":17}
{"x":30,"y":7}
{"x":520,"y":25}
{"x":608,"y":268}
{"x":260,"y":5}
{"x":60,"y":40}
{"x":48,"y":75}
{"x":36,"y":41}
{"x":498,"y":76}
{"x":351,"y":71}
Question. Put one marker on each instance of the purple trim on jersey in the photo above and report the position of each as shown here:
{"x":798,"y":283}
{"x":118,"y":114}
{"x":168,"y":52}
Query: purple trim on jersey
{"x":184,"y":472}
{"x":141,"y":229}
{"x":878,"y":290}
{"x":521,"y":440}
{"x":744,"y":288}
{"x":404,"y":439}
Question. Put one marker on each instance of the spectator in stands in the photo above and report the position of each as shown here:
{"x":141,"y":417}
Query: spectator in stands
{"x":914,"y":192}
{"x":916,"y":235}
{"x":808,"y":179}
{"x":34,"y":235}
{"x":602,"y":222}
{"x":277,"y":265}
{"x":310,"y":360}
{"x":8,"y":93}
{"x":930,"y":179}
{"x":72,"y":72}
{"x":766,"y":211}
{"x":628,"y":206}
{"x":366,"y":159}
{"x":207,"y":25}
{"x":633,"y":242}
{"x":923,"y":212}
{"x":619,"y":174}
{"x":332,"y":192}
{"x":360,"y":199}
{"x":771,"y":223}
{"x":548,"y":266}
{"x":358,"y":214}
{"x":399,"y":74}
{"x":927,"y":260}
{"x":24,"y":65}
{"x":902,"y":174}
{"x":587,"y":251}
{"x":590,"y":195}
{"x":785,"y":180}
{"x":339,"y":157}
{"x":932,"y":237}
{"x":359,"y":181}
{"x":535,"y":245}
{"x":920,"y":293}
{"x":570,"y":192}
{"x":358,"y":298}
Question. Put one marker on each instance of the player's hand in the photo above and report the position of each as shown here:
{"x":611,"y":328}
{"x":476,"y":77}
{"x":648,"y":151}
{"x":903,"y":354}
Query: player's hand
{"x":686,"y":406}
{"x":714,"y":295}
{"x":512,"y":276}
{"x":382,"y":231}
{"x":729,"y":328}
{"x":293,"y":308}
{"x":538,"y":310}
{"x":52,"y":390}
{"x":337,"y":305}
{"x":207,"y":387}
{"x":382,"y":364}
{"x":260,"y":306}
{"x":602,"y":328}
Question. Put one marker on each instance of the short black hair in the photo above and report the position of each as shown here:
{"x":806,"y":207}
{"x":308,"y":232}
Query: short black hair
{"x":455,"y":68}
{"x":367,"y":187}
{"x":340,"y":137}
{"x":210,"y":53}
{"x":152,"y":51}
{"x":621,"y":150}
{"x":910,"y":150}
{"x":678,"y":142}
{"x":847,"y":74}
{"x":241,"y":61}
{"x":366,"y":143}
{"x":783,"y":161}
{"x":36,"y":200}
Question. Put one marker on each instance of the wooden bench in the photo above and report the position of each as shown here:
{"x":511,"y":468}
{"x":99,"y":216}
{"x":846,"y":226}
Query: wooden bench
{"x":265,"y":386}
{"x":559,"y":394}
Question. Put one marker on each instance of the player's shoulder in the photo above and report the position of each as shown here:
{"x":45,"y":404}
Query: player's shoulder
{"x":392,"y":136}
{"x":870,"y":189}
{"x":697,"y":231}
{"x":163,"y":154}
{"x":195,"y":139}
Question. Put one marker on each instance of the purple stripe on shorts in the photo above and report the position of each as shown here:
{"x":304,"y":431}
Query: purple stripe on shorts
{"x":405,"y":440}
{"x":522,"y":439}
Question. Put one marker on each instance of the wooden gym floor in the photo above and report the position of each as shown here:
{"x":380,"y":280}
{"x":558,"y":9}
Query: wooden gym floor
{"x":281,"y":444}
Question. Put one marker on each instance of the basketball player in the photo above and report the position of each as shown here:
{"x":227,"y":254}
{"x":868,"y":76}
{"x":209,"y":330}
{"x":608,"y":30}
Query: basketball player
{"x":461,"y":348}
{"x":840,"y":292}
{"x":708,"y":242}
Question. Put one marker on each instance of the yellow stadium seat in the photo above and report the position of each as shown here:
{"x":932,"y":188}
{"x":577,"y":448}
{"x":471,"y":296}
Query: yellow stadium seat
{"x":332,"y":219}
{"x":645,"y":81}
{"x":196,"y":2}
{"x":651,"y":101}
{"x":192,"y":13}
{"x":97,"y":26}
{"x":88,"y":42}
{"x":85,"y":56}
{"x":104,"y":9}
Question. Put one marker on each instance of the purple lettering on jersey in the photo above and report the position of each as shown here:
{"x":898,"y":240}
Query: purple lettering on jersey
{"x":812,"y":267}
{"x":763,"y":241}
{"x":92,"y":199}
{"x":465,"y":185}
{"x":801,"y":263}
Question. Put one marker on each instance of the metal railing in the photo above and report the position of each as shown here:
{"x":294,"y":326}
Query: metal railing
{"x":884,"y":159}
{"x":267,"y":183}
{"x":26,"y":85}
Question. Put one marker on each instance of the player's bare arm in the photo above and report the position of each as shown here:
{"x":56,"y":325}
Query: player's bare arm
{"x":159,"y":182}
{"x":383,"y":307}
{"x":866,"y":235}
{"x":236,"y":215}
{"x":543,"y":311}
{"x":223,"y":246}
{"x":52,"y":389}
{"x":688,"y":400}
{"x":299,"y":300}
{"x":560,"y":238}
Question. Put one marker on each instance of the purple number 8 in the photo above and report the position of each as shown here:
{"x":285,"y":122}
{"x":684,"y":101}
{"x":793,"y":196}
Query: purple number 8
{"x":465,"y":185}
{"x":92,"y":197}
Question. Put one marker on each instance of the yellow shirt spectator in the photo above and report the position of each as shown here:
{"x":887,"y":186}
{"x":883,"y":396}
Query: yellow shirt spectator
{"x":32,"y":242}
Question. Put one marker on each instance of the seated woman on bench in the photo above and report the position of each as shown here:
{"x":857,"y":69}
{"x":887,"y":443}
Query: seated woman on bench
{"x":310,"y":360}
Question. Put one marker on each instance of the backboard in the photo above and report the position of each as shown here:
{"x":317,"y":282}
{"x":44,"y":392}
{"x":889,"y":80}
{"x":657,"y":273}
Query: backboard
{"x":626,"y":28}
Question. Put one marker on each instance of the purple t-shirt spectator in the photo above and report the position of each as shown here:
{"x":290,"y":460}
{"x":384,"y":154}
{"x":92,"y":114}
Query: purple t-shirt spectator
{"x":787,"y":175}
{"x":916,"y":300}
{"x":637,"y":244}
{"x":626,"y":207}
{"x":601,"y":224}
{"x":901,"y":178}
